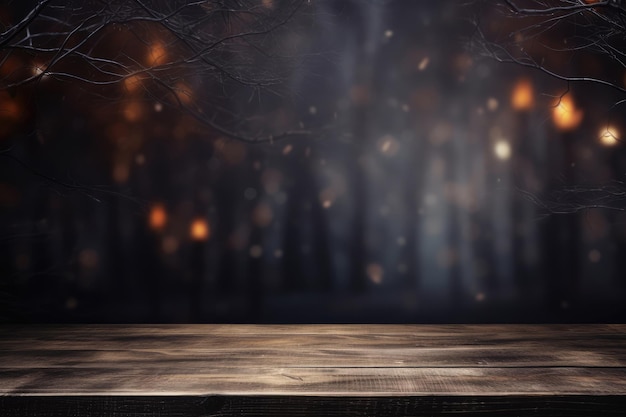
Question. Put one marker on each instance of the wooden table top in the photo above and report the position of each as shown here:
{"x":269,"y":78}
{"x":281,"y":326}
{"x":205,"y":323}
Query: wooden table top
{"x":313,"y":360}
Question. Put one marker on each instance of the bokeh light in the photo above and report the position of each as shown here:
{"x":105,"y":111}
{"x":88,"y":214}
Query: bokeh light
{"x":523,"y":96}
{"x":157,"y":54}
{"x":157,"y":217}
{"x":199,"y":230}
{"x":502,"y":149}
{"x":565,"y":115}
{"x":609,"y":136}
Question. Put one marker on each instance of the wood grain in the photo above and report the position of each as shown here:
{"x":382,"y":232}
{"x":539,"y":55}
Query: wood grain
{"x":318,"y":360}
{"x":313,"y":370}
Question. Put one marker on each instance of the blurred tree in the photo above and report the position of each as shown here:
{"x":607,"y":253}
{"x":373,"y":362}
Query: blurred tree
{"x":583,"y":44}
{"x":579,"y":42}
{"x":94,"y":91}
{"x":218,"y":61}
{"x":571,"y":40}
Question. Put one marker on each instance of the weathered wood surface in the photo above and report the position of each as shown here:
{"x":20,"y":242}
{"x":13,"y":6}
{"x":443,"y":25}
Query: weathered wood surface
{"x":313,"y":360}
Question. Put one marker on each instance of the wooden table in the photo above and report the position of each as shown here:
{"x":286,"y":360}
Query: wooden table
{"x":317,"y":370}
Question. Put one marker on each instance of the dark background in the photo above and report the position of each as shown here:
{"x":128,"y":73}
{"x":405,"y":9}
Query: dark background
{"x":408,"y":210}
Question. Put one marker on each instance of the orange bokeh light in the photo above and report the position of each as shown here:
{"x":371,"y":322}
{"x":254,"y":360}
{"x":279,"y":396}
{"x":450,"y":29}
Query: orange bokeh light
{"x":565,"y":114}
{"x":121,"y":172}
{"x":9,"y":109}
{"x":133,"y":111}
{"x":132,"y":83}
{"x":156,"y":54}
{"x":199,"y":230}
{"x":11,"y":112}
{"x":157,"y":217}
{"x":523,"y":97}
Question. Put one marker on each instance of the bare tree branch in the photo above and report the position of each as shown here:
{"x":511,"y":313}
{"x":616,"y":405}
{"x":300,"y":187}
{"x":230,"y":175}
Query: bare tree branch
{"x":552,"y":36}
{"x":194,"y":54}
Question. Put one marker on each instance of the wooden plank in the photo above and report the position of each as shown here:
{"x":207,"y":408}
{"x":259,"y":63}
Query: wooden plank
{"x":158,"y":358}
{"x":316,"y":381}
{"x":223,"y":370}
{"x":316,"y":360}
{"x":211,"y":335}
{"x":360,"y":346}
